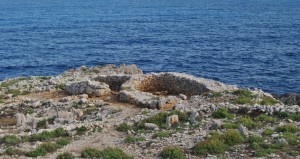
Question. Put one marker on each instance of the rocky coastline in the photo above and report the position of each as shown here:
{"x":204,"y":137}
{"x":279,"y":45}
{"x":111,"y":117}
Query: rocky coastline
{"x":120,"y":112}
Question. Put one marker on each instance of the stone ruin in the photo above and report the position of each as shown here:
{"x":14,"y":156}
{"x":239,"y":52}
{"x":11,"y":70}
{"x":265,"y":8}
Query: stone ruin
{"x":155,"y":90}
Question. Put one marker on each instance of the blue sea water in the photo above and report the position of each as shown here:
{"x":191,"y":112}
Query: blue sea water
{"x":252,"y":43}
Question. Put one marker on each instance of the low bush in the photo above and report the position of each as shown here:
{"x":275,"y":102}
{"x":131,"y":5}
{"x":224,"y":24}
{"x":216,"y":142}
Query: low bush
{"x":42,"y":124}
{"x":173,"y":152}
{"x":124,"y":127}
{"x":13,"y":151}
{"x":211,"y":146}
{"x":114,"y":153}
{"x":11,"y":140}
{"x":222,"y":113}
{"x":287,"y":128}
{"x":267,"y":132}
{"x":266,"y":118}
{"x":81,"y":130}
{"x":131,"y":139}
{"x":295,"y":116}
{"x":248,"y":122}
{"x":90,"y":153}
{"x":232,"y":137}
{"x":36,"y":152}
{"x":108,"y":153}
{"x":229,"y":126}
{"x":49,"y":147}
{"x":62,"y":142}
{"x":161,"y":134}
{"x":65,"y":155}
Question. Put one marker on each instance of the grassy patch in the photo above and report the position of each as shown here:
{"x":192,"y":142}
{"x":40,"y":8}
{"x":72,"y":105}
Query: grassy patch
{"x":229,"y":126}
{"x":49,"y":147}
{"x":81,"y":130}
{"x":13,"y":151}
{"x":173,"y":152}
{"x":65,"y":155}
{"x":295,"y":116}
{"x":108,"y":153}
{"x":248,"y":122}
{"x":124,"y":127}
{"x":90,"y":153}
{"x":267,"y":101}
{"x":16,"y":92}
{"x":211,"y":146}
{"x":266,"y":118}
{"x":63,"y":142}
{"x":218,"y":143}
{"x":287,"y":128}
{"x":47,"y":135}
{"x":60,"y":86}
{"x":291,"y":138}
{"x":11,"y":140}
{"x":243,"y":97}
{"x":161,"y":134}
{"x":36,"y":152}
{"x":42,"y":124}
{"x":267,"y":132}
{"x":222,"y":113}
{"x":132,"y":139}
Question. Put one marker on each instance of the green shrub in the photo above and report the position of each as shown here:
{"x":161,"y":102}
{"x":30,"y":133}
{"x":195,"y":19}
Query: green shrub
{"x":268,"y":101}
{"x":281,"y":114}
{"x":183,"y":117}
{"x":114,"y":153}
{"x":211,"y":146}
{"x":158,"y":119}
{"x":254,"y":138}
{"x":263,"y":152}
{"x":222,"y":113}
{"x":62,"y":142}
{"x":59,"y":132}
{"x":36,"y":152}
{"x":47,"y":135}
{"x":42,"y":124}
{"x":287,"y":128}
{"x":172,"y":153}
{"x":243,"y":100}
{"x":11,"y":140}
{"x":243,"y":92}
{"x":248,"y":122}
{"x":291,"y":138}
{"x":232,"y":137}
{"x":65,"y":155}
{"x":161,"y":134}
{"x":267,"y":132}
{"x":13,"y":151}
{"x":124,"y":127}
{"x":81,"y":130}
{"x":131,"y":139}
{"x":229,"y":126}
{"x":49,"y":147}
{"x":60,"y":86}
{"x":265,"y":118}
{"x":295,"y":116}
{"x":90,"y":153}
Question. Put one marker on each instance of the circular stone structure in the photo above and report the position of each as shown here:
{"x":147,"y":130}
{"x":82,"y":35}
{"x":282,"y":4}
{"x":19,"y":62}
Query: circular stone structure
{"x":141,"y":89}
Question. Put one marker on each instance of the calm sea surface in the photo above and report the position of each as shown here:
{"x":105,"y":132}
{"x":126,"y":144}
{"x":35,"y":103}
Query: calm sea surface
{"x":249,"y":43}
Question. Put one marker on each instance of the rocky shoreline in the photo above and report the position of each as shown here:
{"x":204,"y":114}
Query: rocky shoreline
{"x":102,"y":111}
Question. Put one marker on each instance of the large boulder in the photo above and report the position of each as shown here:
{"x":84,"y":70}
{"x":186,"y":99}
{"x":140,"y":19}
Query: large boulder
{"x":289,"y":98}
{"x":92,"y":88}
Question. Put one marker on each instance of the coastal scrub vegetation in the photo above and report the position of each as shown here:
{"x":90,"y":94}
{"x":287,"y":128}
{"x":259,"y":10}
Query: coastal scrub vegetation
{"x":172,"y":152}
{"x":107,"y":153}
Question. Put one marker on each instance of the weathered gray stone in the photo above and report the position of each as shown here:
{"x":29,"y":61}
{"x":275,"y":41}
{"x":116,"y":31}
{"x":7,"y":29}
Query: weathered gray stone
{"x":243,"y":130}
{"x":193,"y":117}
{"x":92,"y":88}
{"x":151,"y":126}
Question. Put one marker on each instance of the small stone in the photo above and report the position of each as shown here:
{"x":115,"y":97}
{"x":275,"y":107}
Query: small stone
{"x":243,"y":130}
{"x":151,"y":126}
{"x":193,"y":117}
{"x":171,"y":120}
{"x":83,"y":100}
{"x":183,"y":97}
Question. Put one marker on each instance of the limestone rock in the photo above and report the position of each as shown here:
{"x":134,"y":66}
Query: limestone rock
{"x":92,"y":88}
{"x":171,"y":120}
{"x":151,"y":126}
{"x":193,"y":117}
{"x":243,"y":130}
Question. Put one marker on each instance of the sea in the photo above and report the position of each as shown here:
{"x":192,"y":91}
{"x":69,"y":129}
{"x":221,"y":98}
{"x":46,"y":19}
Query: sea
{"x":253,"y":44}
